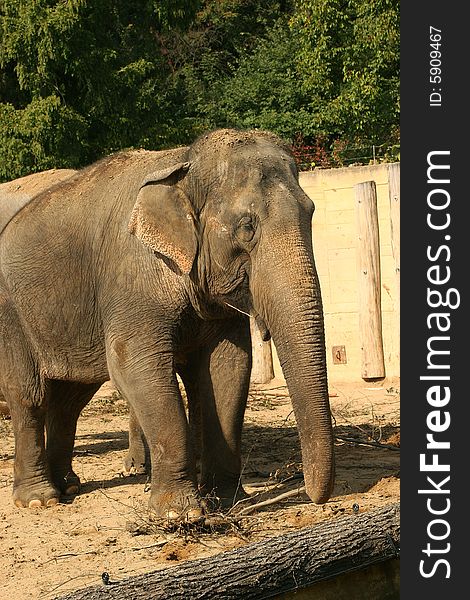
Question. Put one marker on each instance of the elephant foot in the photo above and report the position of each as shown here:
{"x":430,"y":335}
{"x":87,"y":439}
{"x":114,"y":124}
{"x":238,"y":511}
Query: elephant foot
{"x":177,"y":506}
{"x":134,"y":465}
{"x":223,"y":498}
{"x":68,"y":484}
{"x":228,"y":501}
{"x":35,"y":495}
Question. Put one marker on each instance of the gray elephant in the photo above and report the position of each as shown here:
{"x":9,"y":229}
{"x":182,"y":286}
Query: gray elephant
{"x":13,"y":196}
{"x":146,"y":265}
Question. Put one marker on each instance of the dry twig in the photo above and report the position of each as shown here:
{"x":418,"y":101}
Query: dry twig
{"x":364,"y":443}
{"x":291,"y":494}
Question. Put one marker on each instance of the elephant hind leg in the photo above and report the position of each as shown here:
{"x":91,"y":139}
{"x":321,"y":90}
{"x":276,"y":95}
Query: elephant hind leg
{"x":32,"y":486}
{"x":218,"y":378}
{"x":137,"y":460}
{"x":189,"y":377}
{"x":26,"y":393}
{"x":66,"y":401}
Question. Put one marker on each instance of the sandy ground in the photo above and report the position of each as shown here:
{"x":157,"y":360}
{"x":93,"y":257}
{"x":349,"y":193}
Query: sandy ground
{"x":45,"y":553}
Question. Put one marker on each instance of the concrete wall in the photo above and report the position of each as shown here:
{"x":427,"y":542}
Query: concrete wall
{"x":335,"y":242}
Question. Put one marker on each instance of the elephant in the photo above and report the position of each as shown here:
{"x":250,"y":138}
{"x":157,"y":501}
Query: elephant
{"x":13,"y":196}
{"x":148,"y":265}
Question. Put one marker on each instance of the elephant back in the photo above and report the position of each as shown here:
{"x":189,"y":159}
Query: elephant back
{"x":16,"y":194}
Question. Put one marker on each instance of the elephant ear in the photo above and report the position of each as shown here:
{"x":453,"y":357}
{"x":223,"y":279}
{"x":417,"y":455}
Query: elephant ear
{"x":163,"y":218}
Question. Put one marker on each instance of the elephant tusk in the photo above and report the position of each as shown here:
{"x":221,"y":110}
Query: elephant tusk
{"x":238,"y":309}
{"x":264,"y":331}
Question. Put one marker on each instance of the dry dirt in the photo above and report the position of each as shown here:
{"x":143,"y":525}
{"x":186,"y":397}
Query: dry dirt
{"x":45,"y":553}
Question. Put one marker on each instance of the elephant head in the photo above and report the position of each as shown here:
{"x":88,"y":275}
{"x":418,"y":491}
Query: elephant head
{"x":233,"y":219}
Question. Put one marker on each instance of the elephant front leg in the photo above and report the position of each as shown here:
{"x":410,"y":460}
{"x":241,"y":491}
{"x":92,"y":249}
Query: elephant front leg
{"x":222,"y":376}
{"x":153,"y":392}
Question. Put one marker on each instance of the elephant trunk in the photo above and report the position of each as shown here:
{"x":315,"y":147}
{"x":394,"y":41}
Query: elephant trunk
{"x":290,"y":303}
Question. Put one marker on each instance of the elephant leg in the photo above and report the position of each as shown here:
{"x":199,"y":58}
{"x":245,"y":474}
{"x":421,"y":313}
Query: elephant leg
{"x":33,"y":486}
{"x":151,"y":388}
{"x":137,"y":460}
{"x":222,"y":377}
{"x":190,"y":383}
{"x":66,"y":401}
{"x":26,"y":394}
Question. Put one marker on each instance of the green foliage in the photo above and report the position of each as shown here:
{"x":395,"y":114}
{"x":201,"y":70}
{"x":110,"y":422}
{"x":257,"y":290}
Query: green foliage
{"x":349,"y":66}
{"x":323,"y":74}
{"x":263,"y":92}
{"x":82,"y":78}
{"x":46,"y":134}
{"x":212,"y":52}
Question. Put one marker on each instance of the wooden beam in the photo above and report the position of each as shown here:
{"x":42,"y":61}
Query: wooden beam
{"x":271,"y":567}
{"x":369,"y":281}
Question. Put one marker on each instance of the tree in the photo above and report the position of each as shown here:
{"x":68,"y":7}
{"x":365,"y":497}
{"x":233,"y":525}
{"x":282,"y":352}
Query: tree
{"x":325,"y":74}
{"x":349,"y":67}
{"x":80,"y":79}
{"x":212,"y":54}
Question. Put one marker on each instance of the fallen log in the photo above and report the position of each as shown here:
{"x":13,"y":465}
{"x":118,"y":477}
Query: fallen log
{"x":271,"y":567}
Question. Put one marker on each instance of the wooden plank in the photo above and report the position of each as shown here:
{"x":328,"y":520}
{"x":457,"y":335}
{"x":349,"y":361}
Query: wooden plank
{"x":271,"y":567}
{"x":369,"y":281}
{"x":262,"y":370}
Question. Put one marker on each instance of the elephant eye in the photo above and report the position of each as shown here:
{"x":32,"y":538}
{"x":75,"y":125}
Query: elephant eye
{"x":245,"y":229}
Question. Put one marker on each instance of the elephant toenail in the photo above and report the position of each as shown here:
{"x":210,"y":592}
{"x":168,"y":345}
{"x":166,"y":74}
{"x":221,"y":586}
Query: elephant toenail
{"x":19,"y":504}
{"x":194,"y":514}
{"x":71,"y":490}
{"x":35,"y":504}
{"x":52,"y":502}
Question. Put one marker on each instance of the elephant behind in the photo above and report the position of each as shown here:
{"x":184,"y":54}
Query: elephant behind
{"x":146,"y":265}
{"x":13,"y":196}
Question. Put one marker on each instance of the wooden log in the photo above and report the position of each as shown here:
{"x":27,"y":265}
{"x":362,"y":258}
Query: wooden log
{"x":369,"y":283}
{"x":262,"y":370}
{"x":275,"y":566}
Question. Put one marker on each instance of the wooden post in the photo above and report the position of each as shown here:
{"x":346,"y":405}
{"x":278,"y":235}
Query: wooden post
{"x":368,"y":266}
{"x":262,"y":370}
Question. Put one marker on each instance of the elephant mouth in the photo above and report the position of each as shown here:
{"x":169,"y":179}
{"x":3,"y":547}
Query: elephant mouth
{"x":241,"y":300}
{"x":249,"y":311}
{"x":259,"y":321}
